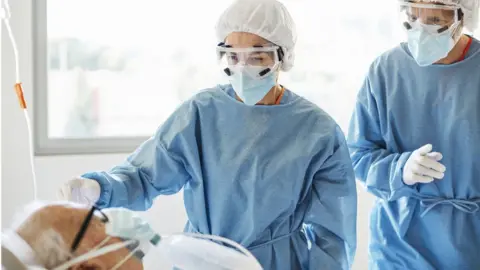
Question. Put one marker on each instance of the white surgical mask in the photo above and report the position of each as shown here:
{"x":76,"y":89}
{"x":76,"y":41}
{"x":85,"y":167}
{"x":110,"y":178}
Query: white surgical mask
{"x":248,"y":85}
{"x":427,"y":46}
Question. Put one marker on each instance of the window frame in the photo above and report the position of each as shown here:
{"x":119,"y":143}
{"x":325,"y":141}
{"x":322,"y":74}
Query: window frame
{"x":44,"y":145}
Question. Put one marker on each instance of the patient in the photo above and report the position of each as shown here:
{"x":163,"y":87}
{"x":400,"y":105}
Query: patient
{"x":46,"y":236}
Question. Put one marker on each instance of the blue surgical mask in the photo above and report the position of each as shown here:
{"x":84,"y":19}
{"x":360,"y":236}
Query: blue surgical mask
{"x":248,"y":85}
{"x":426,"y":46}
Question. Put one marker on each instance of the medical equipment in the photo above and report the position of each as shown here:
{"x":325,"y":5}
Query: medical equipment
{"x":430,"y":14}
{"x":251,"y":71}
{"x":95,"y":252}
{"x":427,"y":48}
{"x":268,"y":57}
{"x":432,"y":29}
{"x":250,"y":89}
{"x":6,"y":15}
{"x":470,"y":9}
{"x":186,"y":251}
{"x":197,"y":252}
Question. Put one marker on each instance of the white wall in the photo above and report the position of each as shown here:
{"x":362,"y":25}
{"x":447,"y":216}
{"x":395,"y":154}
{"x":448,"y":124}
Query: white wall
{"x":167,"y":215}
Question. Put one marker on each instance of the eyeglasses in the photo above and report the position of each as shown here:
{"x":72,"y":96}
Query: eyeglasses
{"x":83,"y":229}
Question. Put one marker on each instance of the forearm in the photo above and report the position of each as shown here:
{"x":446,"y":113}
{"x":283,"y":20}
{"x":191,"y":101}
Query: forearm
{"x":381,"y":171}
{"x":122,"y":190}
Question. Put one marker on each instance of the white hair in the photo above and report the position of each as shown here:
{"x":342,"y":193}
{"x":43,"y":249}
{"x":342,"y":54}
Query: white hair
{"x":48,"y":244}
{"x":27,"y":210}
{"x":21,"y":215}
{"x":50,"y":248}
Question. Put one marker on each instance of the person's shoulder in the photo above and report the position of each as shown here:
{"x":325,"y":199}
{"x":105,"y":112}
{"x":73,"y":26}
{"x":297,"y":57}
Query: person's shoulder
{"x":386,"y":67}
{"x":314,"y":114}
{"x":186,"y":115}
{"x":389,"y":58}
{"x":209,"y":92}
{"x":308,"y":104}
{"x":207,"y":95}
{"x":202,"y":97}
{"x":320,"y":126}
{"x":474,"y":51}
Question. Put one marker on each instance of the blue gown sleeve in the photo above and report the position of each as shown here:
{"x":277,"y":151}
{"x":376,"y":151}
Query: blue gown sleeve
{"x":380,"y":170}
{"x":150,"y":171}
{"x":330,"y":223}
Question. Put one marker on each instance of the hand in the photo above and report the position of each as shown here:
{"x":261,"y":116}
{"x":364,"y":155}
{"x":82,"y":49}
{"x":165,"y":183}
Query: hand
{"x":80,"y":190}
{"x":423,"y":166}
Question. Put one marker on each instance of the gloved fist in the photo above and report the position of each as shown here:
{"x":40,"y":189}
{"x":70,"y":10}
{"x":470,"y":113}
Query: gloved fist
{"x":423,"y":166}
{"x":80,"y":190}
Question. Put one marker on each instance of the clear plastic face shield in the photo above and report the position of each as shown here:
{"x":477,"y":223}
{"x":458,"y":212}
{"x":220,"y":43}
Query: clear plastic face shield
{"x":434,"y":18}
{"x":251,"y":71}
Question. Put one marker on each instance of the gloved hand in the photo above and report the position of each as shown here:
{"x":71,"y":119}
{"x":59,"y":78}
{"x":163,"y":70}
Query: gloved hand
{"x":80,"y":190}
{"x":423,"y":166}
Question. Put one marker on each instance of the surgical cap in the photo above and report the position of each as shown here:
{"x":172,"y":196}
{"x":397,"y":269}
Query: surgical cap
{"x":470,"y":9}
{"x":268,"y":19}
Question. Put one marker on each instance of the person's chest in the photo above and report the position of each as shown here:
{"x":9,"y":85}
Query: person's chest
{"x":439,"y":109}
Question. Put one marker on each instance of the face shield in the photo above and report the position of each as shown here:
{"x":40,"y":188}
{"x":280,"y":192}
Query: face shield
{"x":251,"y":71}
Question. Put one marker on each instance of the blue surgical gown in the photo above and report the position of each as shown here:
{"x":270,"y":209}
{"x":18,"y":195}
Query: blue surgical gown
{"x":400,"y":108}
{"x":276,"y":179}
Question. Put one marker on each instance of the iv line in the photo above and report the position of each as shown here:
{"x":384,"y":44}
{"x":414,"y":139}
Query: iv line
{"x":19,"y":90}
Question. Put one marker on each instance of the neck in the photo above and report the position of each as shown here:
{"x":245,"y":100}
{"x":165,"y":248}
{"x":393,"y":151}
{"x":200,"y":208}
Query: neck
{"x":272,"y":96}
{"x":456,"y":53}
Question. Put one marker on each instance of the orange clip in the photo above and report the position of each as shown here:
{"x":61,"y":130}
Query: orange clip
{"x":21,"y":98}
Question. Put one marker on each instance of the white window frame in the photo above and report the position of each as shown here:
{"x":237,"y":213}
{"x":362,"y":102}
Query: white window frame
{"x":44,"y":145}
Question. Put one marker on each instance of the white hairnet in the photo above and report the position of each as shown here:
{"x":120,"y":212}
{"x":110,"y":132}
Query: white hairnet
{"x":268,"y":19}
{"x":470,"y":8}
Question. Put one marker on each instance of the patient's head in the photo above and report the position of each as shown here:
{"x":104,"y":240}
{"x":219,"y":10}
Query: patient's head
{"x":51,"y":230}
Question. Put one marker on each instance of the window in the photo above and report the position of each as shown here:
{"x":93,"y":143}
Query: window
{"x":108,"y":73}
